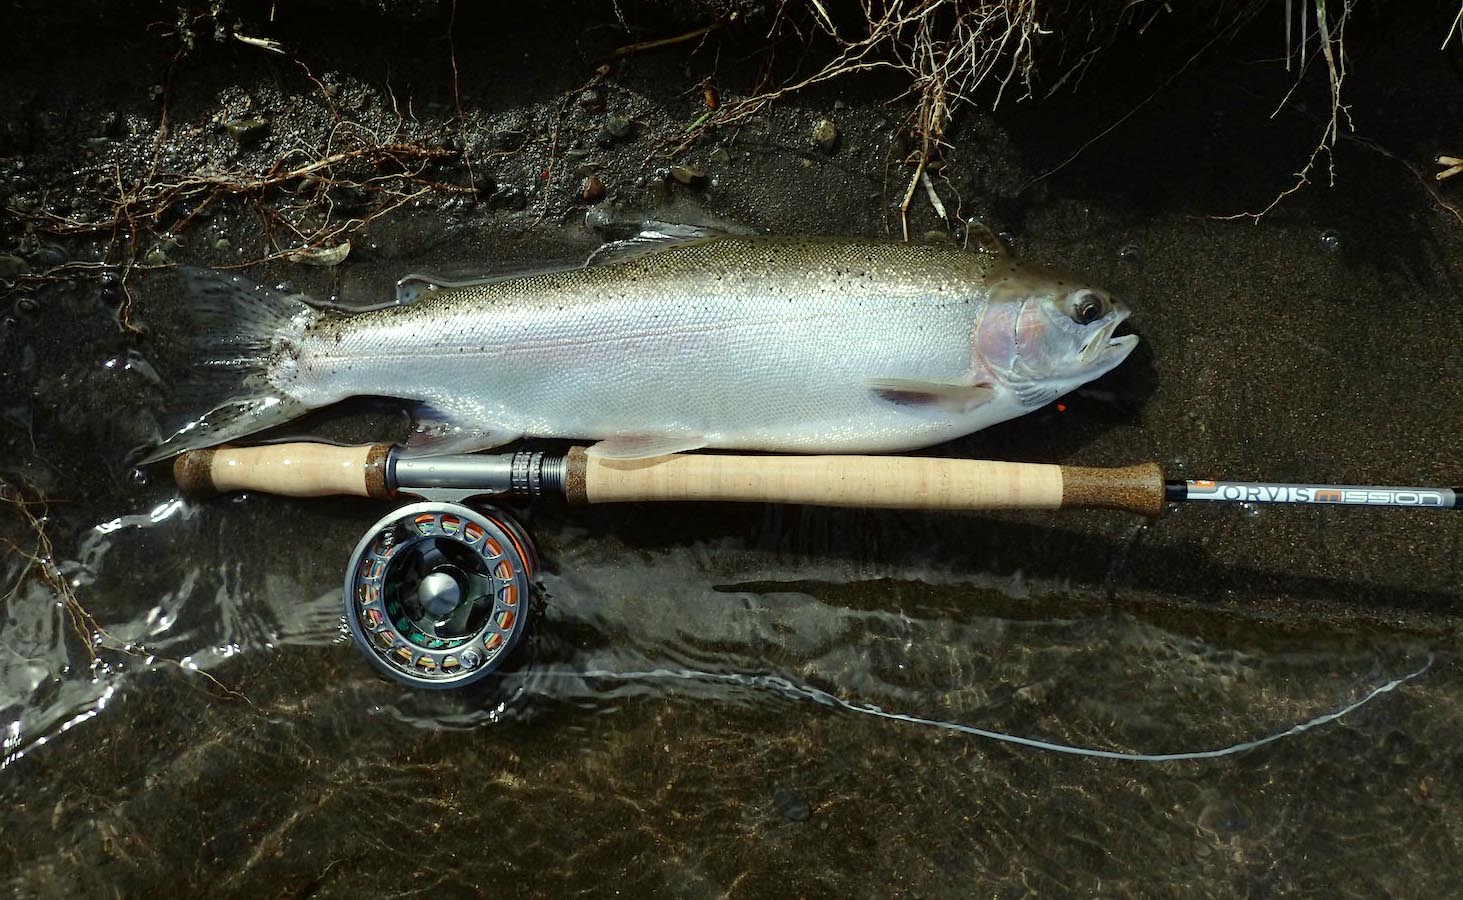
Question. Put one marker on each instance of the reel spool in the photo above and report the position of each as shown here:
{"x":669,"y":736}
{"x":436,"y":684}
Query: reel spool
{"x":437,"y":595}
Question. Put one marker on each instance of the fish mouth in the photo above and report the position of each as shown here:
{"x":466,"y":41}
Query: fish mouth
{"x":1104,"y":344}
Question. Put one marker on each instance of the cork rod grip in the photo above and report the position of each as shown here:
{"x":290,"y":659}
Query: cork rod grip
{"x":863,"y":481}
{"x":294,"y":470}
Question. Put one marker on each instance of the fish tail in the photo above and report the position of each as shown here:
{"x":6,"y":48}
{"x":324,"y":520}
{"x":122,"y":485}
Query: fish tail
{"x":247,"y":338}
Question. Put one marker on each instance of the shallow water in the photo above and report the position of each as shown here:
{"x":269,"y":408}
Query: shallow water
{"x":702,"y":706}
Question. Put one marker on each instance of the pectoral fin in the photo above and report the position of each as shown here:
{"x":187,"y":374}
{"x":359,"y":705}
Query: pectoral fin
{"x":933,"y":395}
{"x":644,"y":446}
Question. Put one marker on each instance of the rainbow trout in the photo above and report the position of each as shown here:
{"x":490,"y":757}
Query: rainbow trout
{"x":807,"y":345}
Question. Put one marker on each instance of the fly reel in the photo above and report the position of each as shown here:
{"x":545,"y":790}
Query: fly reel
{"x":437,"y":595}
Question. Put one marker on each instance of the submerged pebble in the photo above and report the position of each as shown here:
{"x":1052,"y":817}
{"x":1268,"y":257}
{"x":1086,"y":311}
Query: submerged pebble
{"x":247,"y":131}
{"x":509,"y":141}
{"x":592,"y":190}
{"x":790,"y":805}
{"x":688,"y":175}
{"x":592,"y":101}
{"x":508,"y":197}
{"x":616,"y":128}
{"x":49,"y":255}
{"x":825,"y":135}
{"x":619,"y":127}
{"x":1331,"y":240}
{"x":11,"y":266}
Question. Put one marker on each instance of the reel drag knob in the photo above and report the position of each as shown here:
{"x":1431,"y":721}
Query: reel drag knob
{"x":437,"y":594}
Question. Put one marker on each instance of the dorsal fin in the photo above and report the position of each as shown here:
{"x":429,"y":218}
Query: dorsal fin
{"x":652,"y":237}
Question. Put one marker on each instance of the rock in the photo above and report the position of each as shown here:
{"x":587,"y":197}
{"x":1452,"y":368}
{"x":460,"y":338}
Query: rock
{"x":688,"y":175}
{"x":49,"y":255}
{"x":825,"y":135}
{"x":348,"y":200}
{"x":11,"y":266}
{"x":619,"y":127}
{"x":508,"y":197}
{"x":720,"y":156}
{"x":790,"y":805}
{"x":509,"y":141}
{"x":592,"y":101}
{"x":592,"y":190}
{"x":615,"y":128}
{"x":248,"y":131}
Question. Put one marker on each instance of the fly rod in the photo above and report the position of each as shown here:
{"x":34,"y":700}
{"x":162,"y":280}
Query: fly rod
{"x":436,"y":594}
{"x":384,"y":471}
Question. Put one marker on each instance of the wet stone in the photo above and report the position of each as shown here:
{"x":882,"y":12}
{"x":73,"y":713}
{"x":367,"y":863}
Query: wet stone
{"x":825,"y":135}
{"x":11,"y":266}
{"x":508,"y":197}
{"x":790,"y":805}
{"x":592,"y":101}
{"x":49,"y":256}
{"x":619,"y":127}
{"x":111,"y":289}
{"x":615,"y":128}
{"x":592,"y":190}
{"x":351,"y":201}
{"x":720,"y":156}
{"x":248,"y":131}
{"x":509,"y":141}
{"x":688,"y":175}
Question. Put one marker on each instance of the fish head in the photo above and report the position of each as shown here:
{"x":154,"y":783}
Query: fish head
{"x":1045,"y":333}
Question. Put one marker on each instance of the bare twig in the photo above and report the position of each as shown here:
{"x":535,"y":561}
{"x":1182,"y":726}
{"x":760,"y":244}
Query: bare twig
{"x":1452,"y":30}
{"x":1331,"y":37}
{"x":629,"y":49}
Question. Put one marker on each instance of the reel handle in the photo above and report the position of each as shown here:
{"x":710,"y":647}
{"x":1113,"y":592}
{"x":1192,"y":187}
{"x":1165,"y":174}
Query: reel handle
{"x":292,"y":470}
{"x":896,"y":482}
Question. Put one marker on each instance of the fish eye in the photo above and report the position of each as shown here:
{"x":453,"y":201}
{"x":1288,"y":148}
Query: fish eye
{"x":1087,"y":307}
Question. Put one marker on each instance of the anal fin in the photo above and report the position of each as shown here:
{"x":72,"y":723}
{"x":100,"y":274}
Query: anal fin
{"x":644,"y":446}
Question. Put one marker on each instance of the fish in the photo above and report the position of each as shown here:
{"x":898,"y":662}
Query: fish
{"x":668,"y":344}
